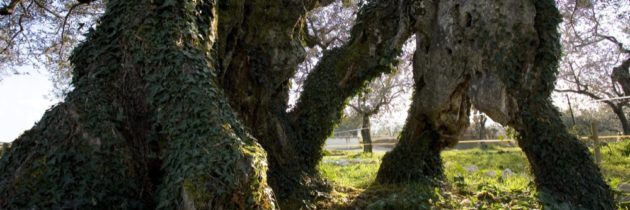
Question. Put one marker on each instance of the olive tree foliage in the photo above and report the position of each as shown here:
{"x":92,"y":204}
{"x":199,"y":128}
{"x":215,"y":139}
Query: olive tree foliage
{"x":596,"y":56}
{"x":42,"y":33}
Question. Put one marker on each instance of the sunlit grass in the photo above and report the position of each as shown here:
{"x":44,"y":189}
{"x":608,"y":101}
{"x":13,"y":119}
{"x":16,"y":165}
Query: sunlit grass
{"x":359,"y":175}
{"x":494,"y":178}
{"x":616,"y":161}
{"x":503,"y":168}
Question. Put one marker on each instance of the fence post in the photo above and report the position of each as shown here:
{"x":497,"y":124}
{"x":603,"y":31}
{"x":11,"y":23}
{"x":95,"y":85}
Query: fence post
{"x":595,"y":138}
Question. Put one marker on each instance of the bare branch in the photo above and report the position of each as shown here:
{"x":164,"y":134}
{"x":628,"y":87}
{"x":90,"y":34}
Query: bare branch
{"x":65,"y":21}
{"x":10,"y":8}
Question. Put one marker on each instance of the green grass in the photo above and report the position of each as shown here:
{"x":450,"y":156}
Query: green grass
{"x":496,"y":178}
{"x":358,"y":175}
{"x":504,"y":169}
{"x":616,"y":161}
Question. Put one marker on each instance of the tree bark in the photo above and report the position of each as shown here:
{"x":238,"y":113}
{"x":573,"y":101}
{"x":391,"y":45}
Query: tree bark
{"x":146,"y":126}
{"x":509,"y":52}
{"x":565,"y":173}
{"x":524,"y":74}
{"x":260,"y":50}
{"x":439,"y":110}
{"x":365,"y":134}
{"x":416,"y":157}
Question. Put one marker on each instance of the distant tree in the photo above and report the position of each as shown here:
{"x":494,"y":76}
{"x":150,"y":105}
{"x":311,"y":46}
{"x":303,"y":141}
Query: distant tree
{"x":328,"y":28}
{"x":378,"y":95}
{"x":596,"y":57}
{"x":479,"y":123}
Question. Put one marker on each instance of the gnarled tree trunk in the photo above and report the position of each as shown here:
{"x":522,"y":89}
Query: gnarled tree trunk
{"x":505,"y":57}
{"x":261,"y":49}
{"x":153,"y":96}
{"x":565,"y":174}
{"x":146,"y":127}
{"x":439,"y":110}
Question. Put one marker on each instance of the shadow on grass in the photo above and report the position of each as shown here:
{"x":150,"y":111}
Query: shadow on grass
{"x":406,"y":196}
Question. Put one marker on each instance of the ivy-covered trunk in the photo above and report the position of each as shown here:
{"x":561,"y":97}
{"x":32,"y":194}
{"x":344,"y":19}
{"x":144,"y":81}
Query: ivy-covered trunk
{"x":261,"y":46}
{"x":565,"y":174}
{"x":163,"y":102}
{"x":146,"y":126}
{"x":416,"y":157}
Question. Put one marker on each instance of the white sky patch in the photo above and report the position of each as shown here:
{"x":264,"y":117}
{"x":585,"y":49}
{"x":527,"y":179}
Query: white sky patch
{"x":23,"y":101}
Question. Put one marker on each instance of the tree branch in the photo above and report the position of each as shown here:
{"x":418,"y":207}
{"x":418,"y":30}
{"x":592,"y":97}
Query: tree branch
{"x":10,"y":41}
{"x":65,"y":21}
{"x":10,"y":8}
{"x":40,"y":5}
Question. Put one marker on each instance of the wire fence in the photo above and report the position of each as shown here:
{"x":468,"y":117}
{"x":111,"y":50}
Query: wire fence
{"x":392,"y":141}
{"x":611,"y":138}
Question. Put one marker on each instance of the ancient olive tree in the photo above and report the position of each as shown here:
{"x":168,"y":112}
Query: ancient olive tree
{"x":183,"y":104}
{"x":379,"y":95}
{"x":503,"y":59}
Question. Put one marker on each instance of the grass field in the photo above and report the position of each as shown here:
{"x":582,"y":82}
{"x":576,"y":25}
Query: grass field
{"x":495,"y":178}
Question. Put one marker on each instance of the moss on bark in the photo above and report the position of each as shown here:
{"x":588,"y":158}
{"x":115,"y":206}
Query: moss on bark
{"x":565,"y":174}
{"x":146,"y":127}
{"x":261,"y":46}
{"x":416,"y":157}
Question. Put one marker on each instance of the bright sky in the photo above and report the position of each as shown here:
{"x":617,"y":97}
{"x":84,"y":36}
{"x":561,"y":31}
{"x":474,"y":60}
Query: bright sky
{"x":23,"y":101}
